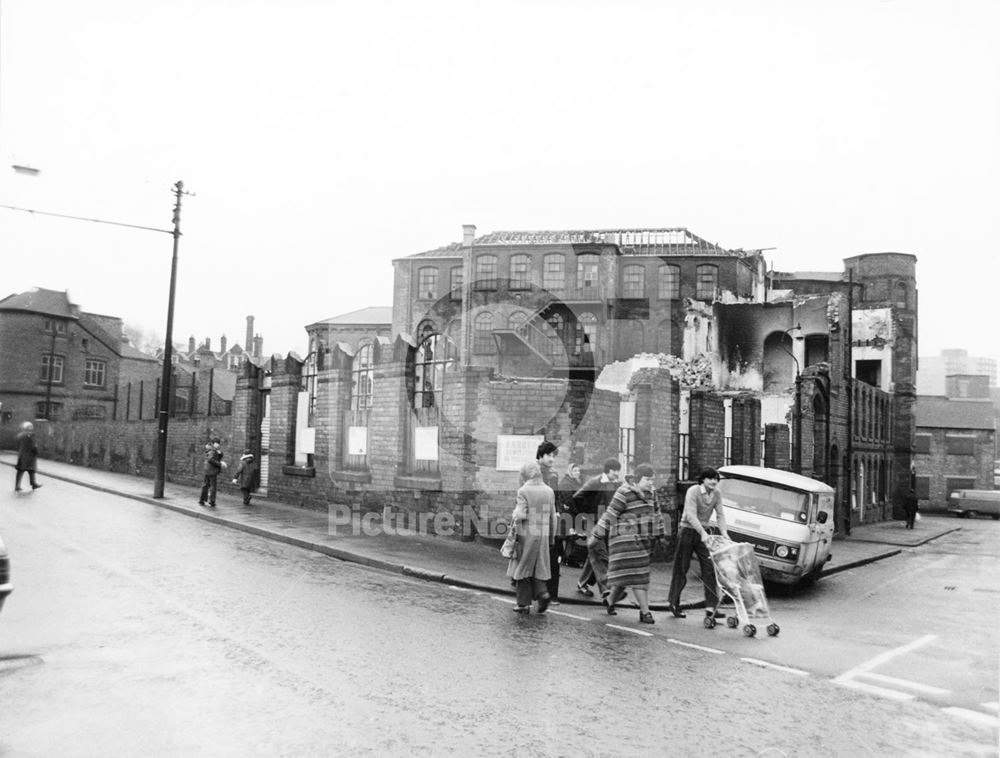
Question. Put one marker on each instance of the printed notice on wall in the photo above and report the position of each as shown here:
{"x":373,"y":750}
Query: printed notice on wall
{"x":357,"y":440}
{"x":425,"y":443}
{"x":514,"y":450}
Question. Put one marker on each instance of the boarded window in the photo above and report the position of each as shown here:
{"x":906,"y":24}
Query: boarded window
{"x":922,"y":444}
{"x":959,"y":444}
{"x":923,"y":487}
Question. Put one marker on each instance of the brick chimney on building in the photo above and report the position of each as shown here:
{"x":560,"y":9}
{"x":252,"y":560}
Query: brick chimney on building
{"x":208,"y":343}
{"x":468,"y":234}
{"x":191,"y":344}
{"x":258,"y":346}
{"x":222,"y":343}
{"x":248,"y":343}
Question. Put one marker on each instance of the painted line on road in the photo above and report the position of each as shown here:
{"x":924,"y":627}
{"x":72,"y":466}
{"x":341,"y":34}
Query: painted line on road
{"x":991,"y":706}
{"x":505,"y":600}
{"x":984,"y":719}
{"x":878,"y":660}
{"x":925,"y":688}
{"x":568,"y":615}
{"x":696,"y":647}
{"x":460,"y":589}
{"x":628,"y":629}
{"x":767,"y":664}
{"x":871,"y":689}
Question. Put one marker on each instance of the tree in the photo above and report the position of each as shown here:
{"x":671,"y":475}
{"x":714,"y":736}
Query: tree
{"x":144,"y":340}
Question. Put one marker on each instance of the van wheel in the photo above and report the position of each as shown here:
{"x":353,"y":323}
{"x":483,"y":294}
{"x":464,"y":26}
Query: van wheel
{"x":971,"y":514}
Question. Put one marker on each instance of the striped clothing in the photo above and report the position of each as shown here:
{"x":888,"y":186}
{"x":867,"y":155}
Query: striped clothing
{"x":630,"y":523}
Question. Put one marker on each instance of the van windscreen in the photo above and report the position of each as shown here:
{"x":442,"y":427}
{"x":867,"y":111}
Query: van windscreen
{"x":765,"y":499}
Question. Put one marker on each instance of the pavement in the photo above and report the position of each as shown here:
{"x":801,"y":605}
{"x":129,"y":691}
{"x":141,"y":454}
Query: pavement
{"x":463,"y":563}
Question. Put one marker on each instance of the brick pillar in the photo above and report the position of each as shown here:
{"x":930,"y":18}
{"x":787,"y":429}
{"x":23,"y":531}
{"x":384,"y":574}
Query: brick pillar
{"x":286,"y":382}
{"x":461,"y":446}
{"x":246,"y":412}
{"x":746,"y":430}
{"x":776,"y":441}
{"x":333,"y":397}
{"x":389,"y":425}
{"x":708,"y":430}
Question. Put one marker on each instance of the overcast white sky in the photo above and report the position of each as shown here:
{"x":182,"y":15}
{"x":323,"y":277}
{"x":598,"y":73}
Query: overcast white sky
{"x":323,"y":139}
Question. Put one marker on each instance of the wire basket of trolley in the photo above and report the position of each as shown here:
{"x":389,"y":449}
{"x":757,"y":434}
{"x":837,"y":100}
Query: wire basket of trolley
{"x":737,"y":573}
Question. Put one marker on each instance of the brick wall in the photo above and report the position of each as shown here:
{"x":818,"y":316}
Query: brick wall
{"x":938,"y":466}
{"x":746,"y":430}
{"x":776,"y":446}
{"x":708,"y":430}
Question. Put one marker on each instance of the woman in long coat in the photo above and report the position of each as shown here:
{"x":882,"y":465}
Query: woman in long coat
{"x":534,"y":520}
{"x":632,"y":524}
{"x":27,"y":456}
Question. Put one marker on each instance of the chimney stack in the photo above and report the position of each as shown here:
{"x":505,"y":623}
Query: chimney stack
{"x":222,"y":343}
{"x":191,"y":344}
{"x":248,"y":343}
{"x":258,"y":346}
{"x":468,"y":234}
{"x":208,"y":343}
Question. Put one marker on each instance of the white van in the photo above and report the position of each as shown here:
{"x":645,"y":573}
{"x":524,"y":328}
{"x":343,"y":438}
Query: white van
{"x":787,"y":517}
{"x":971,"y":503}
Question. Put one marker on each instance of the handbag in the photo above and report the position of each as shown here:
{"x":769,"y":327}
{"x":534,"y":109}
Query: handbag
{"x":511,"y":547}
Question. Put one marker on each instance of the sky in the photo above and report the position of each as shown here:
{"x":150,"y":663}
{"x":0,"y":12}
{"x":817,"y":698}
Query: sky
{"x":319,"y":140}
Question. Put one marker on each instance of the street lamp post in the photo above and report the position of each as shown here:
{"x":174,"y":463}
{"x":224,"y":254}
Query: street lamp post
{"x":168,"y":350}
{"x":797,"y":413}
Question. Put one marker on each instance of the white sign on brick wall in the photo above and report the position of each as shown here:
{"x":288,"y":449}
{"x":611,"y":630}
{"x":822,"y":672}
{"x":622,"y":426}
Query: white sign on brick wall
{"x":425,"y":443}
{"x":357,"y":440}
{"x":514,"y":450}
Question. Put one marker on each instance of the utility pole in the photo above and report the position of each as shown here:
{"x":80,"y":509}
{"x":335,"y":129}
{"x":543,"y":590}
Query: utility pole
{"x":168,"y":350}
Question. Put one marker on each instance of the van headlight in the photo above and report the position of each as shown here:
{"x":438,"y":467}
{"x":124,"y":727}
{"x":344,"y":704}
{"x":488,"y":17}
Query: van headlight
{"x":782,"y":551}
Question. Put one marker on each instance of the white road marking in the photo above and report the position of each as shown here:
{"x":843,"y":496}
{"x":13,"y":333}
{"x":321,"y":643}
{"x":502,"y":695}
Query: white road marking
{"x":460,"y":589}
{"x":628,"y":629}
{"x":905,"y":683}
{"x":568,"y":615}
{"x":697,"y":647}
{"x":991,"y":706}
{"x":873,"y":690}
{"x":984,"y":719}
{"x":766,"y":664}
{"x":878,"y":660}
{"x":505,"y":600}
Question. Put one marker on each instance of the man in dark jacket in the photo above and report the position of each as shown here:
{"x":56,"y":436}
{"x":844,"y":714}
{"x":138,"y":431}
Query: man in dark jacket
{"x":590,"y":501}
{"x":910,"y":504}
{"x":213,"y":466}
{"x":546,"y":458}
{"x":27,"y":456}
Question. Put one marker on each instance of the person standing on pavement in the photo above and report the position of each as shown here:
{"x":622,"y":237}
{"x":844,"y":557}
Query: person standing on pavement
{"x":27,"y":456}
{"x":569,"y":484}
{"x":701,"y":501}
{"x":588,"y":504}
{"x":213,"y":467}
{"x":632,"y":524}
{"x":246,"y":476}
{"x":910,"y":505}
{"x":534,"y":519}
{"x":545,"y":457}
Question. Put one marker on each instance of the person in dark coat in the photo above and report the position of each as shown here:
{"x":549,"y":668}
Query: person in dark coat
{"x":246,"y":476}
{"x":27,"y":456}
{"x":545,"y":457}
{"x":910,"y":504}
{"x":590,"y":502}
{"x":213,"y":467}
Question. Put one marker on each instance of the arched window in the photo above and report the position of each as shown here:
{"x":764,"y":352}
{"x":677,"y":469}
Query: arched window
{"x":456,"y":283}
{"x":431,"y":361}
{"x":557,"y":344}
{"x":779,"y":366}
{"x":482,"y":335}
{"x":516,"y":319}
{"x":586,"y":272}
{"x":427,"y":283}
{"x":425,"y":329}
{"x":520,"y":272}
{"x":670,"y":282}
{"x":707,"y":282}
{"x":634,"y":281}
{"x":554,"y":272}
{"x":359,"y":408}
{"x":486,"y":272}
{"x":588,"y":323}
{"x":901,"y":295}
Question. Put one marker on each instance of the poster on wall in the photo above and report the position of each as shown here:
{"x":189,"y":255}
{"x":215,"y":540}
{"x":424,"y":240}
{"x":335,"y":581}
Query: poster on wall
{"x":357,"y":440}
{"x":425,"y":443}
{"x":514,"y":450}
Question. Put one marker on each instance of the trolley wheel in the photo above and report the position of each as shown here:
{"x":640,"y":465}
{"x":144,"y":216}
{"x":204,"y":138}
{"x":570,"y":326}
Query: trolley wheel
{"x":709,"y":622}
{"x":732,"y":622}
{"x":749,"y":630}
{"x":773,"y":629}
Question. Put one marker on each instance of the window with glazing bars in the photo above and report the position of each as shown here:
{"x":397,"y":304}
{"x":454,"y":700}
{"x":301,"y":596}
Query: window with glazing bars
{"x":670,"y":282}
{"x":520,"y":272}
{"x":554,"y":272}
{"x":486,"y":272}
{"x":634,"y":281}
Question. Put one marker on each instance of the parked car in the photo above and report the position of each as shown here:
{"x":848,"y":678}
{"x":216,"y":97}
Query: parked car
{"x":5,"y":586}
{"x":972,"y":503}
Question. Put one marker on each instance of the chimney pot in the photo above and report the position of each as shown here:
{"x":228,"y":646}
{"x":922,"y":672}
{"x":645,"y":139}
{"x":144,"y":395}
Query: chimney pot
{"x":222,"y":343}
{"x":468,"y":234}
{"x":191,"y":344}
{"x":208,"y":343}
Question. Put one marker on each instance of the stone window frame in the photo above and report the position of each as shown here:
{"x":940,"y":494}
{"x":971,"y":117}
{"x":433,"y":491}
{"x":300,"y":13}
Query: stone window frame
{"x":455,"y":280}
{"x":95,"y":373}
{"x":487,"y":268}
{"x":554,"y":272}
{"x":669,"y":282}
{"x":427,"y":282}
{"x":58,"y":364}
{"x":427,"y":395}
{"x":634,"y":281}
{"x":520,"y":272}
{"x":58,"y":323}
{"x":482,"y":334}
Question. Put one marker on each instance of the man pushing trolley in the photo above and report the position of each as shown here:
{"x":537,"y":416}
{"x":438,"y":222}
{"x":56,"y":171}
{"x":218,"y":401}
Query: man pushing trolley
{"x":738,"y":575}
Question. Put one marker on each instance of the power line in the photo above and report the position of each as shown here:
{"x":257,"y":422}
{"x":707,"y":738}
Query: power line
{"x":82,"y":218}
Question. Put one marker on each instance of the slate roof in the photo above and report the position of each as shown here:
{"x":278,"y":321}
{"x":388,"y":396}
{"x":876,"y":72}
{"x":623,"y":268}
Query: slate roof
{"x":639,"y":241}
{"x":934,"y":411}
{"x":38,"y":300}
{"x":370,"y":316}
